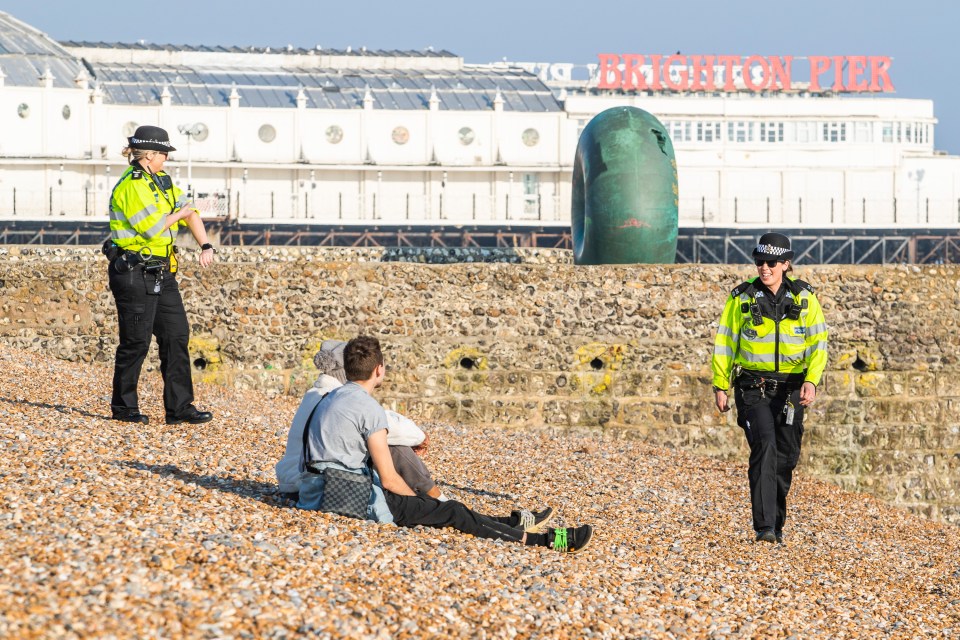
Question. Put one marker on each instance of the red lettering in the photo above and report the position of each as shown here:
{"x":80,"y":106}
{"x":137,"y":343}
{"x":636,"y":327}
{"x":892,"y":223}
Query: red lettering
{"x":838,"y":73}
{"x":655,"y":73}
{"x":609,"y":63}
{"x":818,"y":66}
{"x":759,"y":73}
{"x":748,"y":76}
{"x":780,"y":74}
{"x":856,"y":66}
{"x":631,"y":72}
{"x":879,"y":68}
{"x":684,"y":74}
{"x":702,"y":65}
{"x":728,"y":62}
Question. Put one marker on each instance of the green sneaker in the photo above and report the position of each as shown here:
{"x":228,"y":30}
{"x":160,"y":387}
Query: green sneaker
{"x":569,"y":539}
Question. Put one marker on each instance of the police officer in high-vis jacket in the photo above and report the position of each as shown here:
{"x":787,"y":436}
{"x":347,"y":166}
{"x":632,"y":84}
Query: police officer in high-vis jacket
{"x":769,"y":353}
{"x":146,"y":211}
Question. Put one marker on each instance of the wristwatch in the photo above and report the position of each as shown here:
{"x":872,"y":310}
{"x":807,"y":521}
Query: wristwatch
{"x":716,"y":388}
{"x":205,"y":246}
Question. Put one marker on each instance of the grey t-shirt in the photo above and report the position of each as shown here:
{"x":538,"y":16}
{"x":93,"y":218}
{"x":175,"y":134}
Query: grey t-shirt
{"x":341,"y":425}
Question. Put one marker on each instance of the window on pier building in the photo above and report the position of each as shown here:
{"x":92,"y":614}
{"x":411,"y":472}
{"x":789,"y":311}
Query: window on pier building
{"x":908,"y":132}
{"x":834,"y":131}
{"x":531,"y":194}
{"x":708,"y":131}
{"x":862,"y":131}
{"x":739,"y":131}
{"x":680,"y":130}
{"x":771,"y":132}
{"x":888,"y":132}
{"x":806,"y":131}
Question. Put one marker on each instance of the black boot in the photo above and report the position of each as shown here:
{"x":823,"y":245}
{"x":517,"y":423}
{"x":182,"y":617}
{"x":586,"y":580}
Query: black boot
{"x":191,"y":415}
{"x":131,"y":416}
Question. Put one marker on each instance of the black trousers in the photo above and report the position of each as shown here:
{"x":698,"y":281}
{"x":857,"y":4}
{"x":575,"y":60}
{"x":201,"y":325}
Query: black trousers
{"x":139,"y":316}
{"x":774,"y":449}
{"x":410,"y":511}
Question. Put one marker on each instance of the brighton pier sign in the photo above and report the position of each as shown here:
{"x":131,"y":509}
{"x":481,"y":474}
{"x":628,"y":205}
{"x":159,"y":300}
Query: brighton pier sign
{"x":712,"y":73}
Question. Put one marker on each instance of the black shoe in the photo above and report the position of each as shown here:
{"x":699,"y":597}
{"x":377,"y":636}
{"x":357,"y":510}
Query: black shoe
{"x":779,"y":535}
{"x":570,"y":540}
{"x":133,"y":416}
{"x":191,"y":415}
{"x":766,"y":535}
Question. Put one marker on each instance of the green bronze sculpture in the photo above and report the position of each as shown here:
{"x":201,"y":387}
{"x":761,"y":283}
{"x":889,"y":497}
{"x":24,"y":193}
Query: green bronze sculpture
{"x":625,"y":193}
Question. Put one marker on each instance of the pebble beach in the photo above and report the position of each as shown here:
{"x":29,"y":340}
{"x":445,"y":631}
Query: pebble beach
{"x":114,"y":530}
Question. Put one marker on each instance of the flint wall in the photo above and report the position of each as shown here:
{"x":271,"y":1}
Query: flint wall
{"x":533,"y":341}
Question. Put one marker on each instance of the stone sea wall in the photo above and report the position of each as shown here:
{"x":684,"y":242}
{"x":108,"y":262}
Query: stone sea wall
{"x":524,"y":338}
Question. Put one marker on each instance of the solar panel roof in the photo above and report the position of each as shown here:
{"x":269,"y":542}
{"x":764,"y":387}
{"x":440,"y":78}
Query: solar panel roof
{"x":464,"y":89}
{"x":26,"y":54}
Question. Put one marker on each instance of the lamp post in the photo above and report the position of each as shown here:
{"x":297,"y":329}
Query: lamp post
{"x":244,"y":195}
{"x":191,"y":131}
{"x":917,"y":176}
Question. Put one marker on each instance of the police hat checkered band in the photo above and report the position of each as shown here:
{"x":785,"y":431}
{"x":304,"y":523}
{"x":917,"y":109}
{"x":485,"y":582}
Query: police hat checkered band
{"x":151,"y":138}
{"x":770,"y":250}
{"x":163,"y":143}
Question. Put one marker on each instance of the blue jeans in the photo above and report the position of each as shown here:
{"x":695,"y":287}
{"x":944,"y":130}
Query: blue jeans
{"x":311,"y":492}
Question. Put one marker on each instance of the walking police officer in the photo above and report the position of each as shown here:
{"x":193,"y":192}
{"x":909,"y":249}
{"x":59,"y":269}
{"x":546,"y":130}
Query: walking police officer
{"x":771,"y":346}
{"x":146,"y":210}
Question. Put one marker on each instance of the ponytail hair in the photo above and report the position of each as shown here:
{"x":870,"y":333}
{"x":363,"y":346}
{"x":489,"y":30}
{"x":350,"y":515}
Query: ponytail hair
{"x":134,"y":156}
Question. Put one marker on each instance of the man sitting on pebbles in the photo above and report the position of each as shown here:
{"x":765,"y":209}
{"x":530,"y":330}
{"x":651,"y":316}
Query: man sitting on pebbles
{"x":406,"y":440}
{"x":349,"y":428}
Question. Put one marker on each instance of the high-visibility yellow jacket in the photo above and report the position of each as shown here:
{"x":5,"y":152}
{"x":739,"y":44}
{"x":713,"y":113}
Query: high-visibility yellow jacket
{"x":790,"y":345}
{"x":138,"y":210}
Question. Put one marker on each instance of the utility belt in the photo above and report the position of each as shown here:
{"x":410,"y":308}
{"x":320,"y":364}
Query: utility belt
{"x":124,"y":260}
{"x":130,"y":260}
{"x":769,"y":382}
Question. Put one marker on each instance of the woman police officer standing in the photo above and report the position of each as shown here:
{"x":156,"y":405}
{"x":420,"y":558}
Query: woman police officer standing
{"x":773,"y":339}
{"x":146,"y":210}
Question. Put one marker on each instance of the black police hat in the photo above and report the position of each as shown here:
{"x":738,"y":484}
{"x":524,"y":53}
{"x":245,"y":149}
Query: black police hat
{"x":773,"y":246}
{"x":151,"y":139}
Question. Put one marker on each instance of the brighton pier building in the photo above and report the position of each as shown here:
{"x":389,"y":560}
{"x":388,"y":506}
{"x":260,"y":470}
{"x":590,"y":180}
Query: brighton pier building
{"x":355,"y":146}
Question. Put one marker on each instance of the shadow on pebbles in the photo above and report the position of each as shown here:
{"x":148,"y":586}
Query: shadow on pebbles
{"x":113,"y":530}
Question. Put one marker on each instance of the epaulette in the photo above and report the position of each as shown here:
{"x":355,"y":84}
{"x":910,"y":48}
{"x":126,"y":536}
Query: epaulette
{"x":796,"y":286}
{"x":743,"y":287}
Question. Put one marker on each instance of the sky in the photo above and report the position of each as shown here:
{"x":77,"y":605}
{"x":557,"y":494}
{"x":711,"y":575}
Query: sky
{"x":920,"y":35}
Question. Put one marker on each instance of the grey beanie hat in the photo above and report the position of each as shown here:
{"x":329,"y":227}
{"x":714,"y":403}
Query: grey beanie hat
{"x":329,"y":359}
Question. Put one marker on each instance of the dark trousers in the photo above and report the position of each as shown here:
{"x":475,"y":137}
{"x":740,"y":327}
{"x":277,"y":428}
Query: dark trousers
{"x":139,"y":316}
{"x":410,"y":511}
{"x":774,"y":450}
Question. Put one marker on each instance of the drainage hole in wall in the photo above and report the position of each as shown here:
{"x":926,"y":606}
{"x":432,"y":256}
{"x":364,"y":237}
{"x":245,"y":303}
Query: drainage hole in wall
{"x":200,"y":363}
{"x":467,"y":363}
{"x":596,"y":363}
{"x":859,"y":364}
